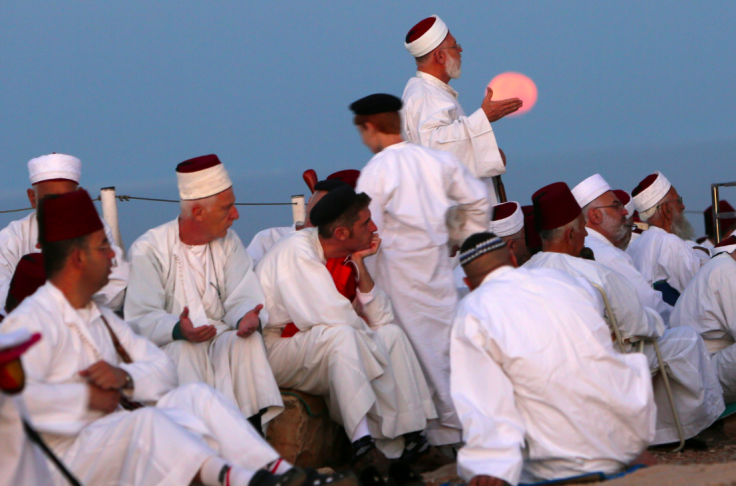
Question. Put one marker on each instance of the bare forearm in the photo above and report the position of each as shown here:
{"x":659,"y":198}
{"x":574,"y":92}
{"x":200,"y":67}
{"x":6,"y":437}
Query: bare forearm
{"x":365,"y":284}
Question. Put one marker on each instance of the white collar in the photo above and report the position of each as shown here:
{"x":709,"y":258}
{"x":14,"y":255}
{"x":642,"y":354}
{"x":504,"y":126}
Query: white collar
{"x":69,"y":313}
{"x":313,"y":236}
{"x":395,"y":146}
{"x":436,"y":82}
{"x":598,"y":236}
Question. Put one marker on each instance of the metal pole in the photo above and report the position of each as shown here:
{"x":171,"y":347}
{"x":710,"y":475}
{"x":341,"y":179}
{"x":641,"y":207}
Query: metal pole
{"x":716,"y":221}
{"x":110,"y":214}
{"x":298,"y":210}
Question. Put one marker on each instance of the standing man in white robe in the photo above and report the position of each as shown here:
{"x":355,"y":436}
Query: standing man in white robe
{"x":326,"y":339}
{"x":432,"y":114}
{"x":606,"y":223}
{"x":90,"y":364}
{"x":662,"y":256}
{"x":708,"y":305}
{"x":539,"y":389}
{"x":53,"y":174}
{"x":695,"y":388}
{"x":423,"y":202}
{"x":193,"y":292}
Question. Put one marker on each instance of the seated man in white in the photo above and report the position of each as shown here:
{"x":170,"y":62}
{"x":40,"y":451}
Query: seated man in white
{"x":54,"y":174}
{"x":695,"y":389}
{"x":539,"y":389}
{"x":708,"y":305}
{"x":661,"y":253}
{"x":330,"y":336}
{"x":90,"y":376}
{"x":193,"y":292}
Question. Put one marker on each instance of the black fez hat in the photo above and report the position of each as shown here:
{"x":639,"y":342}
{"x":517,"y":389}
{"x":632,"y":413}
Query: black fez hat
{"x":328,"y":185}
{"x":376,"y":103}
{"x":332,"y":205}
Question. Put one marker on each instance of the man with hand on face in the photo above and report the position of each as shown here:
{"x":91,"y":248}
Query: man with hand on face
{"x":432,"y":114}
{"x":193,"y":292}
{"x":539,"y":389}
{"x":424,"y":203}
{"x":695,"y":388}
{"x":330,"y":333}
{"x":54,"y":174}
{"x":661,"y":254}
{"x":90,"y":376}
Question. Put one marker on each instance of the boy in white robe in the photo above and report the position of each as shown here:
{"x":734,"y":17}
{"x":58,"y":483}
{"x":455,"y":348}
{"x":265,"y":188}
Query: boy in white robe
{"x":432,"y":114}
{"x":90,"y":363}
{"x":193,"y":292}
{"x":540,"y":391}
{"x":321,"y":342}
{"x":708,"y":305}
{"x":695,"y":388}
{"x":423,"y":202}
{"x":53,"y":174}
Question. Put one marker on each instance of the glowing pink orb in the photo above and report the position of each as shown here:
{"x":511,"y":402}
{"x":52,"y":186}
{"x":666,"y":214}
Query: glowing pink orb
{"x":514,"y":85}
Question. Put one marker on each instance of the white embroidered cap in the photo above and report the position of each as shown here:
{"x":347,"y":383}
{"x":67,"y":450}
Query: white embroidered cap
{"x":650,"y":191}
{"x":424,"y":37}
{"x":507,"y":219}
{"x":54,"y":166}
{"x":590,"y":189}
{"x":202,"y":177}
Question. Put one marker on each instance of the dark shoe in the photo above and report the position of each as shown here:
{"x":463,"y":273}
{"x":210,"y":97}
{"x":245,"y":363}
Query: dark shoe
{"x":371,"y":477}
{"x":431,"y":460}
{"x":292,"y":477}
{"x":373,"y":457}
{"x":341,"y":478}
{"x":401,"y":474}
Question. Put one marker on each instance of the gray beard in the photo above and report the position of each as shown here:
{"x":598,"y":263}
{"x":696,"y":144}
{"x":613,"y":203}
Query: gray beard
{"x":614,"y":227}
{"x":453,"y":68}
{"x":681,"y":227}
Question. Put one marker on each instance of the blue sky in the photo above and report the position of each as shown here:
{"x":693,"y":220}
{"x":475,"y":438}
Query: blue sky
{"x":133,"y":88}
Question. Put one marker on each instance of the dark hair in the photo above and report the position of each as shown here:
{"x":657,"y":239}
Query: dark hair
{"x":55,"y":253}
{"x":388,"y":122}
{"x":348,"y":218}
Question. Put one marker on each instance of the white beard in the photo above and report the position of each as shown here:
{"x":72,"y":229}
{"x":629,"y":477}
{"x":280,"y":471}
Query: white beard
{"x":682,"y":227}
{"x":453,"y":67}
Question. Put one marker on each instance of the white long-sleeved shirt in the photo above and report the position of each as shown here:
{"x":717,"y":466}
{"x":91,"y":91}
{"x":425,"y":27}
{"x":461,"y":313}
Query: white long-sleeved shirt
{"x":20,"y":237}
{"x":539,"y":389}
{"x":606,"y":253}
{"x":432,"y":116}
{"x":265,"y":239}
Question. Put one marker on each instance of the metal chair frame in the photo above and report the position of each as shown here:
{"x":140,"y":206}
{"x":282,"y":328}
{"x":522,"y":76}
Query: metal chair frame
{"x":718,"y":216}
{"x":662,"y":367}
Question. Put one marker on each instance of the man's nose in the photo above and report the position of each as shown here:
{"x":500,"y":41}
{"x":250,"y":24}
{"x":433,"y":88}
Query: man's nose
{"x":234,"y":214}
{"x":373,"y":227}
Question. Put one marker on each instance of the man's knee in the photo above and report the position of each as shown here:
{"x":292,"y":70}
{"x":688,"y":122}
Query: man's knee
{"x":390,"y":333}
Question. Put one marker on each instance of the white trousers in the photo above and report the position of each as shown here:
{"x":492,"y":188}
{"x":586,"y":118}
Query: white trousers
{"x":697,"y":393}
{"x":166,"y":444}
{"x":236,"y":367}
{"x":373,"y":373}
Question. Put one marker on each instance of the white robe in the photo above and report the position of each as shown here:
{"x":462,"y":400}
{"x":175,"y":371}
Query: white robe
{"x":164,"y":444}
{"x":540,"y":391}
{"x":360,"y":369}
{"x":219,"y":288}
{"x":607,"y":254}
{"x":432,"y":116}
{"x":414,"y":191}
{"x":264,"y":240}
{"x":659,"y":255}
{"x":19,"y":238}
{"x":21,"y":461}
{"x":695,"y":388}
{"x":708,"y":305}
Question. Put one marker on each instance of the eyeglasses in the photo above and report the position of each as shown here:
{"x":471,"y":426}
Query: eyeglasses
{"x":678,"y":201}
{"x":456,"y":46}
{"x":617,"y":206}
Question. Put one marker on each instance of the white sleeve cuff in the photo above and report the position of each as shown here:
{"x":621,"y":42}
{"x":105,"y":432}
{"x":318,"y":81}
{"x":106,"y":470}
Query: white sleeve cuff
{"x":365,"y":299}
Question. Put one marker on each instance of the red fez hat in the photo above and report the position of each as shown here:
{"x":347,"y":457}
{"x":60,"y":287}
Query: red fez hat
{"x":527,"y":210}
{"x":731,"y":240}
{"x":14,"y":352}
{"x":533,"y":240}
{"x":68,"y":216}
{"x":29,"y":275}
{"x":198,"y":163}
{"x":724,"y":207}
{"x":622,"y":196}
{"x":554,"y":206}
{"x":349,"y":176}
{"x":504,"y":210}
{"x":420,"y":29}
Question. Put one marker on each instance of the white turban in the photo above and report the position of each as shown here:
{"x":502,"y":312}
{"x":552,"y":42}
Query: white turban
{"x":202,"y":177}
{"x":591,"y":188}
{"x":54,"y":166}
{"x":652,"y":193}
{"x":507,"y":219}
{"x":429,"y":40}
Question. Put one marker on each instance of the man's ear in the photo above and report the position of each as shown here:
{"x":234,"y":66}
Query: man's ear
{"x":595,"y":216}
{"x":514,"y":260}
{"x":77,"y":257}
{"x":198,"y":213}
{"x":31,"y":197}
{"x":341,"y":233}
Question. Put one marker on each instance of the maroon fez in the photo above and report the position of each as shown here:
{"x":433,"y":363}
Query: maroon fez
{"x":198,"y":163}
{"x":29,"y":275}
{"x":723,"y":207}
{"x":68,"y":216}
{"x":504,"y":210}
{"x":554,"y":206}
{"x":533,"y":240}
{"x":731,"y":240}
{"x":646,"y":182}
{"x":419,"y":29}
{"x":622,"y":196}
{"x":349,"y":177}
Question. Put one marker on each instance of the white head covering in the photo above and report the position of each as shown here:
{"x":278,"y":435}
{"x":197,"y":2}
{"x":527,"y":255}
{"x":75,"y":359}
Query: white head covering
{"x":54,"y":166}
{"x":508,"y":225}
{"x":651,"y":195}
{"x":429,"y":40}
{"x":591,"y":188}
{"x":202,"y":177}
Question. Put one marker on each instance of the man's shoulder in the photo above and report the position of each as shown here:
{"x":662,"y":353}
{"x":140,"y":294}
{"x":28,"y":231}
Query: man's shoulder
{"x":35,"y":312}
{"x":298,"y":244}
{"x":155,"y":238}
{"x":418,"y":90}
{"x":15,"y":229}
